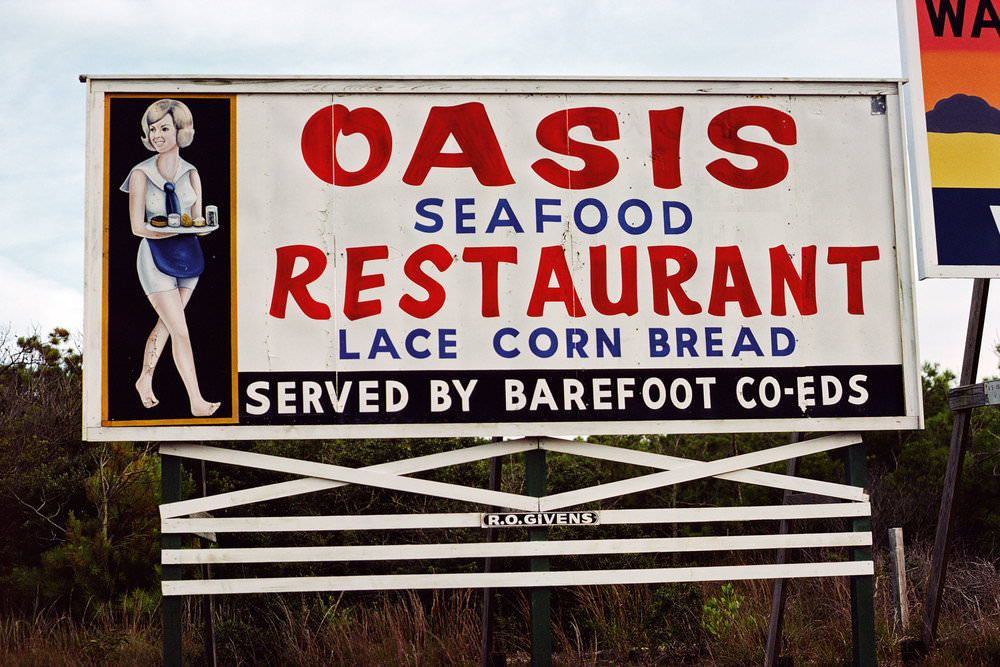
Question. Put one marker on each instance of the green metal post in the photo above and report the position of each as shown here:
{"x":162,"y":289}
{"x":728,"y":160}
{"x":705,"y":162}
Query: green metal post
{"x":862,"y":587}
{"x":535,"y":473}
{"x":487,"y":656}
{"x":170,"y":491}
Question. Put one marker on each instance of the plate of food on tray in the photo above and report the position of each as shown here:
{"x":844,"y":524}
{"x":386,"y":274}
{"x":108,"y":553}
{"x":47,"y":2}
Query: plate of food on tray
{"x":182,"y":224}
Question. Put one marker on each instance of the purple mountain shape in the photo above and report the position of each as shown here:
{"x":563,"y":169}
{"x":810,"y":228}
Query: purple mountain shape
{"x":963,"y":113}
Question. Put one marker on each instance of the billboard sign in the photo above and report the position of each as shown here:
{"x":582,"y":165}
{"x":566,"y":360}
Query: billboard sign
{"x":950,"y":52}
{"x":404,"y":257}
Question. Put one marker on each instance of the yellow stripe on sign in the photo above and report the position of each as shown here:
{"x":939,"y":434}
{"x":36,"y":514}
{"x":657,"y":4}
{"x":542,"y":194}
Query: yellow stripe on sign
{"x":964,"y":160}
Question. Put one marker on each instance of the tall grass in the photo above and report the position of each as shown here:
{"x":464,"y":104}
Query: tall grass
{"x":968,"y":631}
{"x":609,"y":625}
{"x":124,"y":634}
{"x":404,"y":630}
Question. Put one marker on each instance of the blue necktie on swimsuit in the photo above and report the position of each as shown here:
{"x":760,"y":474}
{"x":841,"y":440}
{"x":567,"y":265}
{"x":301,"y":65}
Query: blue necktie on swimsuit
{"x":173,"y":204}
{"x":179,"y":255}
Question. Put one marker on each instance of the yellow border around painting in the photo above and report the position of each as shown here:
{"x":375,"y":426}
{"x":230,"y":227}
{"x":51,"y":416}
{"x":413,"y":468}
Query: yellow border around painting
{"x":105,"y":244}
{"x":234,"y":384}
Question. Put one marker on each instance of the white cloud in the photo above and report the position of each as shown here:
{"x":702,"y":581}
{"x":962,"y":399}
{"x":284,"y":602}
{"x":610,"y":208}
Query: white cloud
{"x":34,"y":303}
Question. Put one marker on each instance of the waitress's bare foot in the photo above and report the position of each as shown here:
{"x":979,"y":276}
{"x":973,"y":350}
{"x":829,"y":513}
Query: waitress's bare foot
{"x":203,"y":408}
{"x":144,"y":385}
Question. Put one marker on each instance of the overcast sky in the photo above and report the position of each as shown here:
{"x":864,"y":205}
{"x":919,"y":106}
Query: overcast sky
{"x":46,"y":45}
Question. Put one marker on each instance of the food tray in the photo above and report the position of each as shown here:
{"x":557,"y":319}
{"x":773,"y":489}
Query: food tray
{"x":181,"y":230}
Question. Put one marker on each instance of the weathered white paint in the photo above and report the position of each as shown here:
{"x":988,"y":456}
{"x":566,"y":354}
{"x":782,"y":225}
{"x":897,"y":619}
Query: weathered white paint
{"x":472,"y":519}
{"x":840,"y":147}
{"x":514,"y":549}
{"x":310,"y":484}
{"x":365,"y":477}
{"x":697,"y":470}
{"x":517,"y":579}
{"x":378,"y":476}
{"x":391,"y":476}
{"x":651,"y":460}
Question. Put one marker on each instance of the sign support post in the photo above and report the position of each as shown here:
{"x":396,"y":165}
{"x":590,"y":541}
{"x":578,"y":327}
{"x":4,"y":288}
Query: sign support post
{"x":170,"y":491}
{"x":862,"y":587}
{"x":207,"y":608}
{"x":535,"y":473}
{"x":956,"y":455}
{"x":488,"y":626}
{"x":779,"y":590}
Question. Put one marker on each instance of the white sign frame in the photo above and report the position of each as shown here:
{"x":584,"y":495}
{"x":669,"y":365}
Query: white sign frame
{"x":900,"y":337}
{"x":925,"y":224}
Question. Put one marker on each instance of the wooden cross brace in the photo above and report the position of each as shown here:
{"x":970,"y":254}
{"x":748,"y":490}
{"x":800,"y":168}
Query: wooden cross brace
{"x":393,"y":475}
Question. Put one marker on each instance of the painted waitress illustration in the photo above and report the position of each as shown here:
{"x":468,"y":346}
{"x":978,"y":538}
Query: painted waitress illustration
{"x":165,"y":192}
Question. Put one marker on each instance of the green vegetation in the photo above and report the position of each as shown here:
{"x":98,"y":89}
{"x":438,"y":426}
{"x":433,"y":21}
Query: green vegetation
{"x":79,"y":548}
{"x":719,"y":614}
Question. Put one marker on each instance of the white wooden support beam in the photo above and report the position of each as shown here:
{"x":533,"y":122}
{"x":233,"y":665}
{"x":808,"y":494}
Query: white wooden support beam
{"x":697,"y":470}
{"x":525,"y":549}
{"x":665,"y":462}
{"x":748,"y":513}
{"x":281,"y":524}
{"x":364,"y":477}
{"x":516,"y":579}
{"x":473,"y":519}
{"x":220,"y":501}
{"x":311,"y":484}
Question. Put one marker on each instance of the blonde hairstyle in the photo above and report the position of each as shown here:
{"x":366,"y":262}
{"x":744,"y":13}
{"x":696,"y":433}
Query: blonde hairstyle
{"x":183,"y":121}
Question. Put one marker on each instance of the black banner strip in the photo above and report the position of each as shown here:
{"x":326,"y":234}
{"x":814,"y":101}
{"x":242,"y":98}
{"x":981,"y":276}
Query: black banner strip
{"x":491,"y":396}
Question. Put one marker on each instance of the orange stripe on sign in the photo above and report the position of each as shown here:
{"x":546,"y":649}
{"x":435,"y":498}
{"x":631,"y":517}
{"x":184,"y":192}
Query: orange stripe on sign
{"x":946,"y":73}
